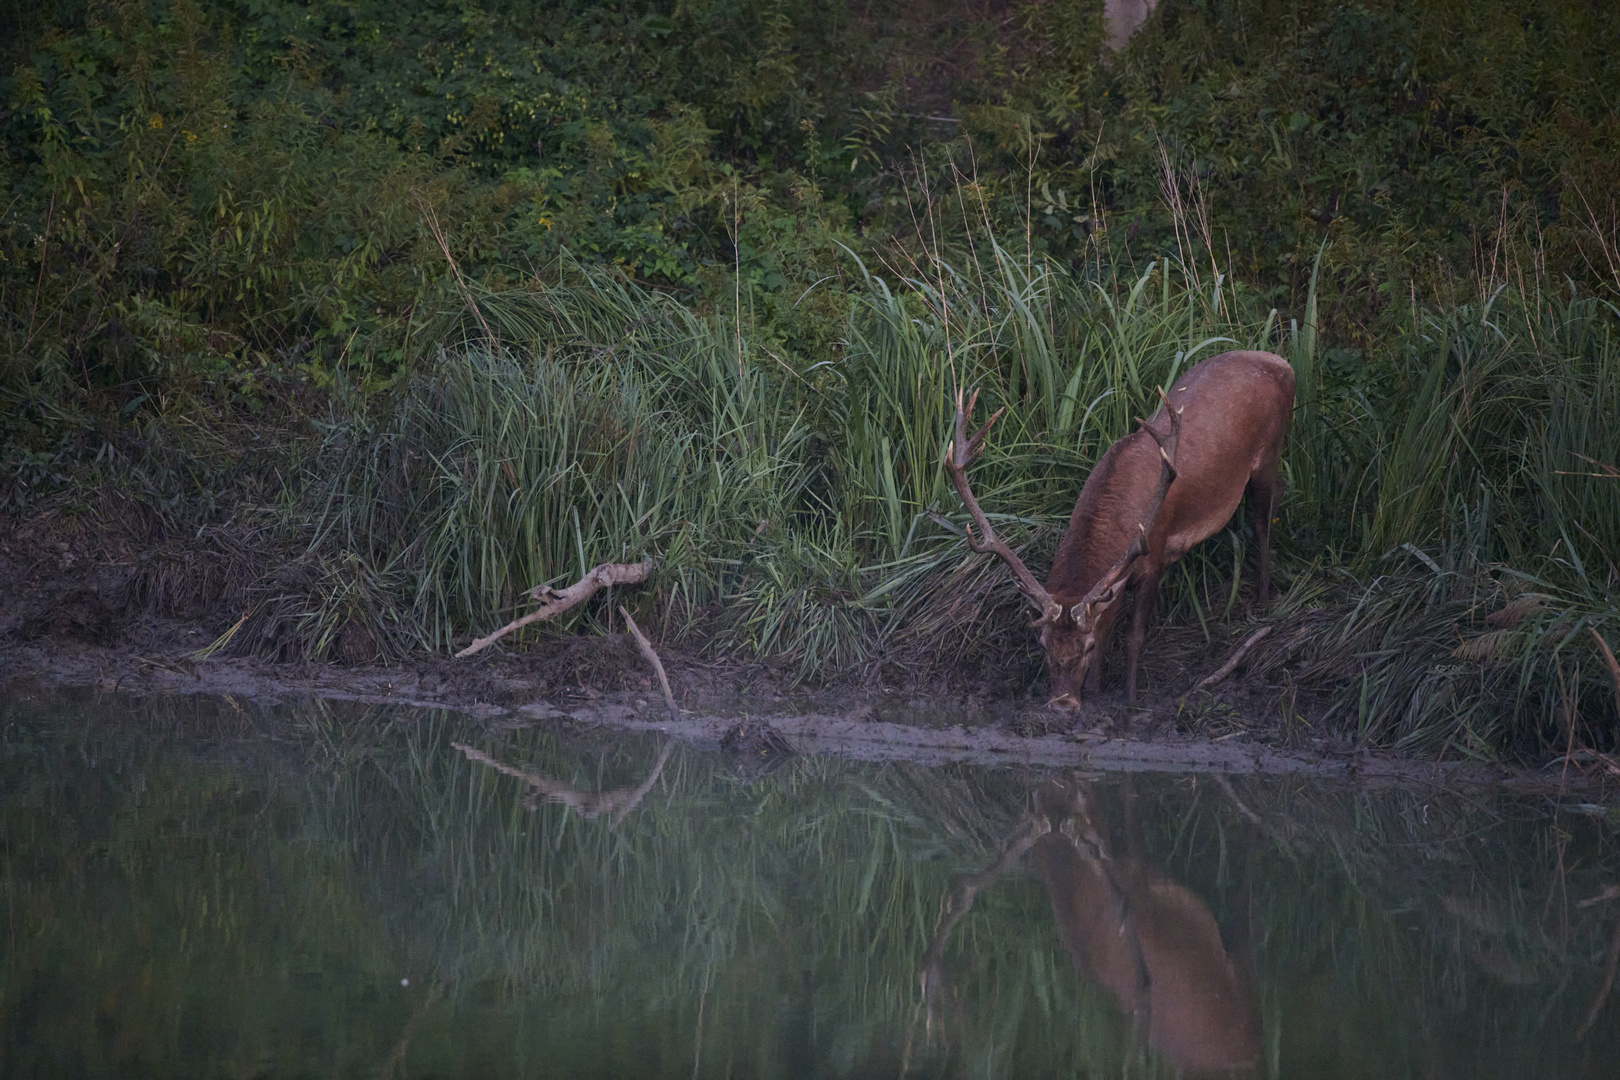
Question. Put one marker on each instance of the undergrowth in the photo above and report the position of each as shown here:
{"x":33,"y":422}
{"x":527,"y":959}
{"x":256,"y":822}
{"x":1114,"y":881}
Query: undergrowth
{"x":358,"y":323}
{"x":1446,"y":556}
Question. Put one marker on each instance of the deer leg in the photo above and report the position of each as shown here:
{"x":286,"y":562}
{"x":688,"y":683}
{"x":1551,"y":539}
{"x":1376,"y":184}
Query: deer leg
{"x":1105,"y":631}
{"x":1147,"y":591}
{"x":1265,"y":492}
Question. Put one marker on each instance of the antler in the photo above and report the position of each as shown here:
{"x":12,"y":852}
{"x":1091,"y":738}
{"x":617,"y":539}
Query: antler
{"x":1111,"y":584}
{"x":958,"y":457}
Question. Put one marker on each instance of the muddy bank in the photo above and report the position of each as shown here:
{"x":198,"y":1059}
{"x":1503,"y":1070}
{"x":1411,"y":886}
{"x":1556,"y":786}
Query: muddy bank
{"x":748,"y":710}
{"x":71,"y":618}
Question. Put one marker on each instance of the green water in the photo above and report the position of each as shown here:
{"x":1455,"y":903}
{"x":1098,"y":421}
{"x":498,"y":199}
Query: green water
{"x":204,"y":888}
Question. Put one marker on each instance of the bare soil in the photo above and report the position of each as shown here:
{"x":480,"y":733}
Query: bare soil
{"x":70,"y":622}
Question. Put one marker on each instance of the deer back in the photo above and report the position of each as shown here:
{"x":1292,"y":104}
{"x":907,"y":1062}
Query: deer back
{"x":1236,"y":408}
{"x":1155,"y":948}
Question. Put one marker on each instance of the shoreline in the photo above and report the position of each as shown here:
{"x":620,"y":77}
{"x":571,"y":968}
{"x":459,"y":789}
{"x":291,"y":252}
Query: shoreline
{"x":859,"y":725}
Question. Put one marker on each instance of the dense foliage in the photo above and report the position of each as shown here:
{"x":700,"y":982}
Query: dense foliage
{"x":207,"y":187}
{"x":409,"y":306}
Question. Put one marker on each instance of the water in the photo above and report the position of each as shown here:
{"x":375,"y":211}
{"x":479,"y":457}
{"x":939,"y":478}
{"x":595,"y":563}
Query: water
{"x":198,"y":888}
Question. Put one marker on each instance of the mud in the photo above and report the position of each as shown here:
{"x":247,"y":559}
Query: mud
{"x":70,"y":622}
{"x":747,"y":710}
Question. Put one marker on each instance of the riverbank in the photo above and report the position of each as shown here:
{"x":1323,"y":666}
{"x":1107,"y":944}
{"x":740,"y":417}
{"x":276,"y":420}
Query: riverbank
{"x":751,"y":710}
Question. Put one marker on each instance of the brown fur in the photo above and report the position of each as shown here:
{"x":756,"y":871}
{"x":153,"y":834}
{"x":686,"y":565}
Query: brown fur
{"x":1149,"y":941}
{"x":1236,"y":409}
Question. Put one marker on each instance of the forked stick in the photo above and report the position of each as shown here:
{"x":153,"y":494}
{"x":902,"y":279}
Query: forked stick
{"x":557,"y":601}
{"x":652,"y":658}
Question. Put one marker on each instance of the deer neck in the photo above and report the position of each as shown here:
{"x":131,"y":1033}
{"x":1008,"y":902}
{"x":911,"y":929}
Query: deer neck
{"x":1103,"y":523}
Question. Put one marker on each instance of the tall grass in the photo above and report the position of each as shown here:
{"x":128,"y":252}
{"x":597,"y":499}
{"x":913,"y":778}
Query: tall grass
{"x":1461,"y":467}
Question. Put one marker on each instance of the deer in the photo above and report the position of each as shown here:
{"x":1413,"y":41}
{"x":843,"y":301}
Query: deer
{"x":1131,"y":929}
{"x":1153,"y":495}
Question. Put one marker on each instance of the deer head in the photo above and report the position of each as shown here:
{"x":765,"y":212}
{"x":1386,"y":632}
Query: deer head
{"x":1069,"y":634}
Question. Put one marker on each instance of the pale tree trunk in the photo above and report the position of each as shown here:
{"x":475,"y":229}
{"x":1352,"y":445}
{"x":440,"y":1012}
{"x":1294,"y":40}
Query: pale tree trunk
{"x":1122,"y":17}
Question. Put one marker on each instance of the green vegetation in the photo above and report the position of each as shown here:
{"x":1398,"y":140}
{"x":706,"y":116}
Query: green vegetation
{"x":363,"y":319}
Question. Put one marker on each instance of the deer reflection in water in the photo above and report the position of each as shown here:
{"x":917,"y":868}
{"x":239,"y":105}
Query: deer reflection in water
{"x":1146,"y":939}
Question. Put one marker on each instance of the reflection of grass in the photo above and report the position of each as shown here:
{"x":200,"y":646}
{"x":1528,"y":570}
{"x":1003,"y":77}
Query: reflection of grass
{"x":182,"y":860}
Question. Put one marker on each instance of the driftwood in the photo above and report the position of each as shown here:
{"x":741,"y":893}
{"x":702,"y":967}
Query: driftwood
{"x":618,"y":801}
{"x":556,"y":601}
{"x":1231,"y":661}
{"x":652,"y":658}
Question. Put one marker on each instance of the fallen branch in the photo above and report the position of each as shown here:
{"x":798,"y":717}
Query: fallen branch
{"x":965,"y":888}
{"x":1608,"y":892}
{"x":1610,"y":962}
{"x":1232,"y":661}
{"x":557,"y":601}
{"x":652,"y":658}
{"x":1614,"y":667}
{"x":591,"y":804}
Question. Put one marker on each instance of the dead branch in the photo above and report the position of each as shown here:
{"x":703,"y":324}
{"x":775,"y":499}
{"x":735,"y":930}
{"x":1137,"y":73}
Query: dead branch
{"x":555,"y":601}
{"x":1610,"y":963}
{"x":965,"y":889}
{"x":1614,"y":667}
{"x":1608,"y":892}
{"x":1232,"y":661}
{"x":652,"y":658}
{"x":590,"y":804}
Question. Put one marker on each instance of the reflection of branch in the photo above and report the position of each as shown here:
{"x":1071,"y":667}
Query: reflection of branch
{"x":1610,"y":962}
{"x":1231,"y":793}
{"x":395,"y":1065}
{"x":555,"y":601}
{"x":652,"y":658}
{"x":591,"y":804}
{"x":1610,"y":891}
{"x":963,"y":891}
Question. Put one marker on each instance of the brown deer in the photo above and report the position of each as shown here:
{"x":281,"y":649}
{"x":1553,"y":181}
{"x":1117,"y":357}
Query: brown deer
{"x":1131,"y":929}
{"x":1156,"y":492}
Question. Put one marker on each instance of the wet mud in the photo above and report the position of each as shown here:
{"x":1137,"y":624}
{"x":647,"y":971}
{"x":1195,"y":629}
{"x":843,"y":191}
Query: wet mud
{"x":749,"y":710}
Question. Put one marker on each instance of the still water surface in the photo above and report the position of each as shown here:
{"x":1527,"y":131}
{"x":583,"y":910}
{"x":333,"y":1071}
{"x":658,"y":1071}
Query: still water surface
{"x":196,"y":888}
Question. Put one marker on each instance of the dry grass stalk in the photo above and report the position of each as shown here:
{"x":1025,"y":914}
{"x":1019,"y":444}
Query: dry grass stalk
{"x":1486,"y":646}
{"x":1613,"y":666}
{"x":652,"y":658}
{"x":557,"y":601}
{"x":1514,"y":613}
{"x":432,"y":222}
